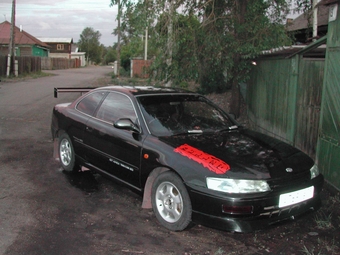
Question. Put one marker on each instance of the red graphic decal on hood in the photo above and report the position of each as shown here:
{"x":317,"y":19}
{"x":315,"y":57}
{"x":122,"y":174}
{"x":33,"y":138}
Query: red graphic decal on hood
{"x":214,"y":164}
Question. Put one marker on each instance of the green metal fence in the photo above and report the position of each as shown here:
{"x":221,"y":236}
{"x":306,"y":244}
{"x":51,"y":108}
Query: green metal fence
{"x":284,"y":98}
{"x":328,"y":150}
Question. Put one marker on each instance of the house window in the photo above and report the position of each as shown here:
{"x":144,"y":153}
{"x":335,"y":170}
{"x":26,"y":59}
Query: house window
{"x":60,"y":46}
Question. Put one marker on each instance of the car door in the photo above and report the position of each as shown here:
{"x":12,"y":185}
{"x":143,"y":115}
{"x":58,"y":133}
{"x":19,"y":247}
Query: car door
{"x":113,"y":150}
{"x":79,"y":116}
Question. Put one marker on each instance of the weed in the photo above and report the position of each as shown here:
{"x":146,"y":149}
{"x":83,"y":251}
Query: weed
{"x":323,"y":221}
{"x":305,"y":250}
{"x":219,"y":251}
{"x":335,"y":199}
{"x":255,"y":238}
{"x":331,"y":247}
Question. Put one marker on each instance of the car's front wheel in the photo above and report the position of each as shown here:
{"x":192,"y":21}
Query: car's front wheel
{"x":171,"y":202}
{"x":66,"y":153}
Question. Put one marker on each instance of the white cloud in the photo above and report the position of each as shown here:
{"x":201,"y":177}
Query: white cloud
{"x":61,"y":18}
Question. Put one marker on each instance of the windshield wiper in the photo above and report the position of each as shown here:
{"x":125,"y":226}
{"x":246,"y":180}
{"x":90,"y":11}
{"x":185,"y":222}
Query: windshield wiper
{"x":193,"y":131}
{"x":228,"y":129}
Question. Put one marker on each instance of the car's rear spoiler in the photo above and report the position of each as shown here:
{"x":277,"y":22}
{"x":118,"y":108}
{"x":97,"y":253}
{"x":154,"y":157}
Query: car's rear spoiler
{"x":63,"y":90}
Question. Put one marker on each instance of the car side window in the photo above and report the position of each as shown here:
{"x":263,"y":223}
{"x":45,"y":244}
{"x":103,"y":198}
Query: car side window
{"x":116,"y":106}
{"x":89,"y":104}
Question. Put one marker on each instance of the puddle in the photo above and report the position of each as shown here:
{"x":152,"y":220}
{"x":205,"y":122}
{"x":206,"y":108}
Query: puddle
{"x":85,"y":181}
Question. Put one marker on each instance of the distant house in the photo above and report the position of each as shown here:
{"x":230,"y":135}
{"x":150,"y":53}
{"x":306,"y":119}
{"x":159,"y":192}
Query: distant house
{"x":25,"y":44}
{"x":76,"y":54}
{"x":64,"y":48}
{"x":301,"y":28}
{"x":60,"y":47}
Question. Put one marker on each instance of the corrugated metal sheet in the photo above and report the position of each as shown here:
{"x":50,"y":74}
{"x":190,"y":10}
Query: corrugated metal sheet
{"x":328,"y":151}
{"x":55,"y":40}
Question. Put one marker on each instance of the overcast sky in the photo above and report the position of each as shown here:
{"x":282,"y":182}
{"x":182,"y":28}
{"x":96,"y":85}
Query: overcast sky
{"x":63,"y":18}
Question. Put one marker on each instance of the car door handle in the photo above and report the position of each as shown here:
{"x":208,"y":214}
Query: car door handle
{"x":88,"y":129}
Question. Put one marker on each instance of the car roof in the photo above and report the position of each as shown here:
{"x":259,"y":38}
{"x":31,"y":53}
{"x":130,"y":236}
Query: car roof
{"x":146,"y":90}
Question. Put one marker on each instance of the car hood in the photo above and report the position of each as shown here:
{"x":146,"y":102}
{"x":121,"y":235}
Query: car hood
{"x":240,"y":154}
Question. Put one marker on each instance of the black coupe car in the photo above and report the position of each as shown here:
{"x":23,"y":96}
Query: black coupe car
{"x":190,"y":160}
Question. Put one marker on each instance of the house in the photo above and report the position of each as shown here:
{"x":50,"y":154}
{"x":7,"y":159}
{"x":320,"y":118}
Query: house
{"x":25,"y":44}
{"x":76,"y":54}
{"x":301,"y":28}
{"x":64,"y":48}
{"x":60,"y":47}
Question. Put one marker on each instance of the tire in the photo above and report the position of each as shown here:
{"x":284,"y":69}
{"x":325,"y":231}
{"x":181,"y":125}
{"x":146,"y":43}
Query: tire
{"x":171,"y":202}
{"x":66,"y":153}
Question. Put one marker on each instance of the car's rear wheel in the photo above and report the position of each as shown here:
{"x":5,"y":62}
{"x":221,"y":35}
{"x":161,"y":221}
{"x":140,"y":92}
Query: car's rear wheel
{"x":171,"y":202}
{"x":66,"y":153}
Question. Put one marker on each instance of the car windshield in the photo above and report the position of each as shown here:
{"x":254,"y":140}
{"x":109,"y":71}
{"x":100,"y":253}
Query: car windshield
{"x":182,"y":114}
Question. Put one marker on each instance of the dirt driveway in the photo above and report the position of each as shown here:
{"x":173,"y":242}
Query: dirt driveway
{"x":45,"y":211}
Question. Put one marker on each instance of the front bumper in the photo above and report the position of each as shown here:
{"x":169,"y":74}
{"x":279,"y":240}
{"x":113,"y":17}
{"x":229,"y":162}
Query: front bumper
{"x":207,"y":208}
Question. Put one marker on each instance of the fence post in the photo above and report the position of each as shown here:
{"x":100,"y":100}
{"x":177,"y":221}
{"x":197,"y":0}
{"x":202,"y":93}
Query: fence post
{"x":16,"y":66}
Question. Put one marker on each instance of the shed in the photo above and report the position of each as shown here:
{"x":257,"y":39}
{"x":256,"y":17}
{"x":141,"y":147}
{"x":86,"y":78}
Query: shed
{"x":294,"y":95}
{"x":284,"y":94}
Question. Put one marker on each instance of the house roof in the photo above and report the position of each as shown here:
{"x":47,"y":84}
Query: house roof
{"x":55,"y":40}
{"x":315,"y":49}
{"x":289,"y":51}
{"x":301,"y":22}
{"x":327,"y":2}
{"x":21,"y":37}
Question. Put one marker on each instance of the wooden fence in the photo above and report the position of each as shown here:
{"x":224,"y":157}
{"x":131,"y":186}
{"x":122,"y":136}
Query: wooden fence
{"x":140,"y":68}
{"x":3,"y":65}
{"x":59,"y":63}
{"x":28,"y":65}
{"x":25,"y":65}
{"x":284,"y":98}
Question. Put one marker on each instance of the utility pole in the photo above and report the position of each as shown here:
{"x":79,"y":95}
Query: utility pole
{"x":118,"y":43}
{"x":146,"y":5}
{"x":11,"y":46}
{"x":146,"y":44}
{"x":315,"y":19}
{"x":171,"y":16}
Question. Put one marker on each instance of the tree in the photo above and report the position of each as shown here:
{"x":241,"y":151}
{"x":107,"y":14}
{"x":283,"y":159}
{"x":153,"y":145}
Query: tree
{"x":110,"y":55}
{"x":89,"y":43}
{"x":236,"y":31}
{"x":216,"y":51}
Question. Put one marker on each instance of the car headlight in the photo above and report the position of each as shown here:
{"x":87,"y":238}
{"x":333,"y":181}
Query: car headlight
{"x":237,"y":186}
{"x":314,"y":171}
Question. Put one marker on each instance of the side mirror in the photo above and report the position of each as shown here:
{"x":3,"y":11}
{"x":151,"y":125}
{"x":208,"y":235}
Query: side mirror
{"x":126,"y":124}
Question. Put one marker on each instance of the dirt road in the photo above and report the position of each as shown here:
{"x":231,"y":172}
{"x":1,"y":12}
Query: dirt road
{"x":45,"y":211}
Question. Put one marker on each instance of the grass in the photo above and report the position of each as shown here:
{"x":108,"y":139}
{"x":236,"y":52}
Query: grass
{"x":122,"y":80}
{"x":327,"y":221}
{"x":325,"y":248}
{"x":34,"y":75}
{"x":323,"y":220}
{"x":305,"y":250}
